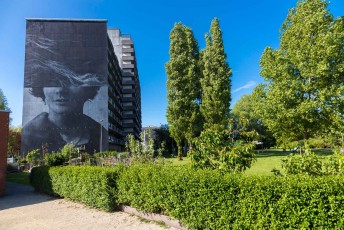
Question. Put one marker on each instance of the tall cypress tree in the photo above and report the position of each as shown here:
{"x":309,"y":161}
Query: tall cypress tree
{"x":183,"y":86}
{"x":216,"y":82}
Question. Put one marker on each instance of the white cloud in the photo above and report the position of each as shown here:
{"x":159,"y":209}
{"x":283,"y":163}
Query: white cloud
{"x":246,"y":86}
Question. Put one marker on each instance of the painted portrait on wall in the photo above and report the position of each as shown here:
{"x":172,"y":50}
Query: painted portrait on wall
{"x":65,"y":90}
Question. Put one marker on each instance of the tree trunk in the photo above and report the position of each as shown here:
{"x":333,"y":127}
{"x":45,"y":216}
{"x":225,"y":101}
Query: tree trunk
{"x":180,"y":151}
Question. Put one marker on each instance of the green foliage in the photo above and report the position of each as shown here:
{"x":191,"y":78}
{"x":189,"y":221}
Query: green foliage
{"x":94,"y":186}
{"x":216,"y":82}
{"x":183,"y":86}
{"x":245,"y":118}
{"x":215,"y":150}
{"x":106,"y":154}
{"x":304,"y":95}
{"x":3,"y":102}
{"x":208,"y":199}
{"x":14,"y":140}
{"x":69,"y":151}
{"x":162,"y":135}
{"x":335,"y":164}
{"x":55,"y":159}
{"x":141,"y":150}
{"x":307,"y":163}
{"x":33,"y":157}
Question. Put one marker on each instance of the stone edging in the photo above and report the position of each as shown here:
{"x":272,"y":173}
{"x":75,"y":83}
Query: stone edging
{"x":152,"y":216}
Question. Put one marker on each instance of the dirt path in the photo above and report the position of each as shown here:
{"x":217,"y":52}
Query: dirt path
{"x":22,"y":208}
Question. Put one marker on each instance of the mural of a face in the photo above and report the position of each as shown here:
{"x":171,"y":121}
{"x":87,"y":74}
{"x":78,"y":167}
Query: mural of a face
{"x":65,"y":85}
{"x":65,"y":99}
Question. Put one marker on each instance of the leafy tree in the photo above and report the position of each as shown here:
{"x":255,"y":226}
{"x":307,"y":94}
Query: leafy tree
{"x":216,"y":82}
{"x":246,"y":119}
{"x":162,"y":135}
{"x":33,"y":158}
{"x":14,"y":140}
{"x":305,"y":90}
{"x":183,"y":86}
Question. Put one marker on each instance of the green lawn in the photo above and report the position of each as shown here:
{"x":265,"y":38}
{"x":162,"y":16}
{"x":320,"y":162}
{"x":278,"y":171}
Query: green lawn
{"x":19,"y":178}
{"x":266,"y":160}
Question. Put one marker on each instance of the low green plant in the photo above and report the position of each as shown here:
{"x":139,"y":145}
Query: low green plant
{"x":55,"y":159}
{"x":69,"y":151}
{"x":141,"y":150}
{"x":335,"y":164}
{"x":214,"y":150}
{"x":306,"y":163}
{"x":106,"y":154}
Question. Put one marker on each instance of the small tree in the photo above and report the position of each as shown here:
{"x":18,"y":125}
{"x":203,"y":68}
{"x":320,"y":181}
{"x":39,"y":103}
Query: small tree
{"x":33,"y":158}
{"x":217,"y":150}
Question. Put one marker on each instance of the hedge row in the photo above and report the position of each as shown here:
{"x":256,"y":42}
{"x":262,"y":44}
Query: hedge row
{"x":93,"y":186}
{"x":204,"y":199}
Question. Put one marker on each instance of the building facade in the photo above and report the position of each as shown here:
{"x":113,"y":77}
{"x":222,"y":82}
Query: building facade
{"x":75,"y":87}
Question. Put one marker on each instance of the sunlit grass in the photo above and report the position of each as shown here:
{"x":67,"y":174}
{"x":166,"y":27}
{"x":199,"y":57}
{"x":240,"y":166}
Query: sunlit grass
{"x":266,"y":160}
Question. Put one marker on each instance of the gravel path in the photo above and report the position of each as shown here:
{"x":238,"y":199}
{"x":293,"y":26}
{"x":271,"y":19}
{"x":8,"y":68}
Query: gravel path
{"x":22,"y":208}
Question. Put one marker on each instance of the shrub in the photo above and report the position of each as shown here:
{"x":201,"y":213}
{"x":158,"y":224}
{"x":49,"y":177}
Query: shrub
{"x":94,"y":186}
{"x":55,"y":159}
{"x":335,"y":164}
{"x":69,"y":152}
{"x":217,"y":151}
{"x":307,"y":163}
{"x":209,"y":199}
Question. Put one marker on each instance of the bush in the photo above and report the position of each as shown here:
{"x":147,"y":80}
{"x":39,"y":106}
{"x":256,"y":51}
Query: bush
{"x":217,"y":151}
{"x":209,"y":199}
{"x":94,"y":186}
{"x":203,"y":199}
{"x":335,"y":164}
{"x":307,"y":163}
{"x":55,"y":159}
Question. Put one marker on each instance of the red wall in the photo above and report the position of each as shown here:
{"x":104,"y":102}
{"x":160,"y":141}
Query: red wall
{"x":4,"y":123}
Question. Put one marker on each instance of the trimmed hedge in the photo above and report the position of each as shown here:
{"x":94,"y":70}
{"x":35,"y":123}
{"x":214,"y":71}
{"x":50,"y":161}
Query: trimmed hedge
{"x":209,"y":200}
{"x":93,"y":186}
{"x":204,"y":199}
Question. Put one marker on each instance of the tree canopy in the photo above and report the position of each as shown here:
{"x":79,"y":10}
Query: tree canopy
{"x":216,"y":82}
{"x":183,"y":86}
{"x":305,"y":90}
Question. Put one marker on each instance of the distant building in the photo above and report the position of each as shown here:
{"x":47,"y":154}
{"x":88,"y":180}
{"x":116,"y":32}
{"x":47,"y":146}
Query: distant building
{"x":81,"y":86}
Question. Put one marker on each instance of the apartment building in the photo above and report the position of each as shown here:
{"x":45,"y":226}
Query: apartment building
{"x":81,"y":86}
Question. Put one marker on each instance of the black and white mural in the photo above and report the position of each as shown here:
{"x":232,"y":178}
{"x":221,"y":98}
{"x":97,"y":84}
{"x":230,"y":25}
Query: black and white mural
{"x":65,"y":85}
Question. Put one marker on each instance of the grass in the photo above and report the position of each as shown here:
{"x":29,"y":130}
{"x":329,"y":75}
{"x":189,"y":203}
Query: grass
{"x":266,"y":160}
{"x":19,"y":178}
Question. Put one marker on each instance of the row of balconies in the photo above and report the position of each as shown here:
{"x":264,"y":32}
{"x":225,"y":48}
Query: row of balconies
{"x":114,"y":140}
{"x":113,"y":117}
{"x":114,"y":128}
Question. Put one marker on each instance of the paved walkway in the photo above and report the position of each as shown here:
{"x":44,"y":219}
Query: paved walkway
{"x":22,"y":208}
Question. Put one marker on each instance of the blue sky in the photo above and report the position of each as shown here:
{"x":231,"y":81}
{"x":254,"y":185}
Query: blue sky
{"x":248,"y":27}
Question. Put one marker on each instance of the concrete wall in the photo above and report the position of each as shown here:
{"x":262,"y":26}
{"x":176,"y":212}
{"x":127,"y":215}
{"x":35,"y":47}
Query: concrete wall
{"x":4,"y":123}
